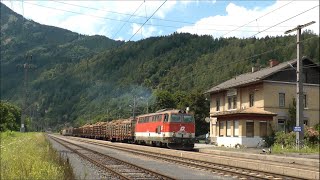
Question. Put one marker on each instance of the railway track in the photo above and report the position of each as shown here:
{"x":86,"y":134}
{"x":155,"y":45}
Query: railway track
{"x":222,"y":170}
{"x":115,"y":168}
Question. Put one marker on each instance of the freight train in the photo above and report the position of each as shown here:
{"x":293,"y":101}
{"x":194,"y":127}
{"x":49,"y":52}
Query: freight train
{"x":170,"y":128}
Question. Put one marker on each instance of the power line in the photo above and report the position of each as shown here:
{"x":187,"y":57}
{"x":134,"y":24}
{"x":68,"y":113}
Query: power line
{"x":112,"y":19}
{"x":168,"y":20}
{"x":286,"y":20}
{"x":304,"y":67}
{"x":147,"y":19}
{"x":170,"y":26}
{"x":257,"y":18}
{"x":127,"y":21}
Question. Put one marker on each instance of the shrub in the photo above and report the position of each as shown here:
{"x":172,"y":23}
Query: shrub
{"x":285,"y":139}
{"x":269,"y":140}
{"x":311,"y":135}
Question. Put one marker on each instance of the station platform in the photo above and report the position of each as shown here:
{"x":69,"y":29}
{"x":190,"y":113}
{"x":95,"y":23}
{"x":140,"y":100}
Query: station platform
{"x":257,"y":154}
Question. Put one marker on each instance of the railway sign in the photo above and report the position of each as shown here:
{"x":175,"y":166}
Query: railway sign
{"x":297,"y":129}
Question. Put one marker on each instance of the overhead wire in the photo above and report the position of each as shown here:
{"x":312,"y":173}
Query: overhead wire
{"x":258,"y":18}
{"x":285,"y":20}
{"x":140,"y":16}
{"x":304,"y":67}
{"x":112,"y":19}
{"x":145,"y":10}
{"x":174,"y":26}
{"x":127,"y":20}
{"x":148,"y":19}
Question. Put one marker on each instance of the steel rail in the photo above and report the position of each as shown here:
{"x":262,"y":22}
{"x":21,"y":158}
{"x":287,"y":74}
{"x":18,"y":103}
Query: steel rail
{"x":140,"y":170}
{"x":227,"y":170}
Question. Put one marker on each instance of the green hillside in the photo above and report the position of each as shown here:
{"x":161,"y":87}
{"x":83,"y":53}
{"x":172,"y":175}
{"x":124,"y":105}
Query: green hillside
{"x":80,"y":78}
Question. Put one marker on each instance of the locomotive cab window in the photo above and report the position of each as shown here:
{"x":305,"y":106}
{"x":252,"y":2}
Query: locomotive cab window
{"x":166,"y":118}
{"x":175,"y":118}
{"x":188,"y":119}
{"x":159,"y":118}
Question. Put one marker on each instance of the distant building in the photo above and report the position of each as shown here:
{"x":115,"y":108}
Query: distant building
{"x":248,"y":107}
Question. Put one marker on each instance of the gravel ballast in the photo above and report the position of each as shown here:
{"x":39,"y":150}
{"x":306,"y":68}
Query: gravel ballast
{"x":176,"y":171}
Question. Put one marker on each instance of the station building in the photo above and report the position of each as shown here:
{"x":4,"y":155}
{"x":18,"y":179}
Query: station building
{"x":250,"y":106}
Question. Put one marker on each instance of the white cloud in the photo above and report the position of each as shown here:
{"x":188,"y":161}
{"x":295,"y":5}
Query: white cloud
{"x":214,"y":25}
{"x":86,"y":24}
{"x":186,"y":2}
{"x":144,"y":31}
{"x":237,"y":16}
{"x":119,"y":39}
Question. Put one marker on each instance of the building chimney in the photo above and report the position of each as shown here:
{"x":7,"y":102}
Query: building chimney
{"x":273,"y":62}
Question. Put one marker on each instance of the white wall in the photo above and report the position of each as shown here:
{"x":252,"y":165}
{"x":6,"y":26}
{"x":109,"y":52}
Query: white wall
{"x":232,"y":141}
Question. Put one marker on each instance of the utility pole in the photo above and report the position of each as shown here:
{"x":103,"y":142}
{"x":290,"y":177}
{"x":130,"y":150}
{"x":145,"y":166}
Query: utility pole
{"x":147,"y":106}
{"x":26,"y":67}
{"x":299,"y":112}
{"x":134,"y":108}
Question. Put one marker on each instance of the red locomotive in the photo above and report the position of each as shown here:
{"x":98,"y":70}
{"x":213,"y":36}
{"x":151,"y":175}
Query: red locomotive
{"x":172,"y":128}
{"x":165,"y":128}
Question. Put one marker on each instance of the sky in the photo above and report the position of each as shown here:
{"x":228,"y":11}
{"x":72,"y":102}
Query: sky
{"x":136,"y":20}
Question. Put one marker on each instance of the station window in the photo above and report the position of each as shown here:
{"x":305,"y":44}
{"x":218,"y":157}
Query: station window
{"x":218,"y":104}
{"x":229,"y":102}
{"x":251,"y":99}
{"x":282,"y":99}
{"x":235,"y":128}
{"x":228,"y":124}
{"x":221,"y":127}
{"x":305,"y":101}
{"x":250,"y":128}
{"x":232,"y":102}
{"x":281,"y":124}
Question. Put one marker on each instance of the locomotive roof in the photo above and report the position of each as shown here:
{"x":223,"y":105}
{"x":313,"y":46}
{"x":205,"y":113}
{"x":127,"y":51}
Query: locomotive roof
{"x":163,"y":111}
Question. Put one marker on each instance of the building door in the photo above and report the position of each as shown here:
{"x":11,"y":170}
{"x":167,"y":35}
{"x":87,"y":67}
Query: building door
{"x":263,"y":129}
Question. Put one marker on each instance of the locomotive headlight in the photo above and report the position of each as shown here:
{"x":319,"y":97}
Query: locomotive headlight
{"x":190,"y":135}
{"x":174,"y":134}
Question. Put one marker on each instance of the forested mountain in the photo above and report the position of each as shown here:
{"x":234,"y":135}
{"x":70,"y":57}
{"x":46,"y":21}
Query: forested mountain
{"x":77,"y":78}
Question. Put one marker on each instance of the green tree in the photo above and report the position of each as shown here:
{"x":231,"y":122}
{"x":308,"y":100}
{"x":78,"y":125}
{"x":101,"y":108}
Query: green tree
{"x":200,"y":107}
{"x":291,"y":122}
{"x":164,"y":99}
{"x":10,"y":117}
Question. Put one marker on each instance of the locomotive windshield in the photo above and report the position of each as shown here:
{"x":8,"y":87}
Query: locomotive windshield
{"x":175,"y":117}
{"x":181,"y":117}
{"x":188,"y":118}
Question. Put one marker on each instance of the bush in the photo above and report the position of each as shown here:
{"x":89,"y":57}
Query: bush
{"x":311,"y":135}
{"x":269,"y":140}
{"x":317,"y":127}
{"x":285,"y":139}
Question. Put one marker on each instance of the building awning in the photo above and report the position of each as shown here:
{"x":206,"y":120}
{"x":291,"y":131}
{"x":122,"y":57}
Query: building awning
{"x":248,"y":112}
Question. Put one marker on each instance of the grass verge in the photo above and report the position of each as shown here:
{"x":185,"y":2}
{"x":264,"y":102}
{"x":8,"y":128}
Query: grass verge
{"x":279,"y":149}
{"x":30,"y":156}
